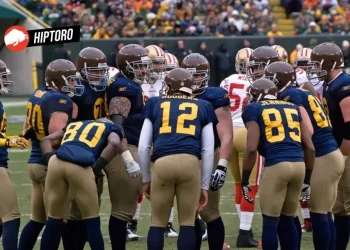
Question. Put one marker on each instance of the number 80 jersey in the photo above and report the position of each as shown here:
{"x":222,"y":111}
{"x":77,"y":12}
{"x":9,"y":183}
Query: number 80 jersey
{"x":237,"y":86}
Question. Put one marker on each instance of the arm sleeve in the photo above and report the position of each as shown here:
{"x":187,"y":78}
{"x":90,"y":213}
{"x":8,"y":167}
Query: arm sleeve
{"x":207,"y":163}
{"x":144,"y":149}
{"x":224,"y":84}
{"x":250,"y":113}
{"x":221,"y":98}
{"x":147,"y":110}
{"x":58,"y":104}
{"x":343,"y":92}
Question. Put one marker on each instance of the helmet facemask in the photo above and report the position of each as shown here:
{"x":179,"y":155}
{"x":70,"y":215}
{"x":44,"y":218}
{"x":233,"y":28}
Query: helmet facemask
{"x":315,"y":72}
{"x":97,"y":77}
{"x":6,"y":85}
{"x":140,"y":69}
{"x":255,"y":70}
{"x":164,"y":90}
{"x":241,"y":67}
{"x":200,"y":80}
{"x":72,"y":86}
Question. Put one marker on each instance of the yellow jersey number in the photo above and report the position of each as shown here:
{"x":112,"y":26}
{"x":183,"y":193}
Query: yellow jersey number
{"x":319,"y":115}
{"x":325,"y":105}
{"x":98,"y":108}
{"x":34,"y":116}
{"x":180,"y":125}
{"x":72,"y":133}
{"x":3,"y":125}
{"x":277,"y":124}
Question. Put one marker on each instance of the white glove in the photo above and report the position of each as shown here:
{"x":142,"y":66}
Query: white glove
{"x":305,"y":193}
{"x":217,"y":179}
{"x":133,"y":169}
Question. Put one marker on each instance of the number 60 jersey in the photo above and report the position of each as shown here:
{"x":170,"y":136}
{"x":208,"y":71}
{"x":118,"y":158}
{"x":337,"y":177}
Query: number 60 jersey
{"x":237,"y":86}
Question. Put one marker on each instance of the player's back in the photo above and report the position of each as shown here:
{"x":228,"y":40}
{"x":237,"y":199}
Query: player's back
{"x":177,"y":124}
{"x":90,"y":104}
{"x":42,"y":103}
{"x":84,"y":141}
{"x":279,"y":123}
{"x":322,"y":138}
{"x":237,"y":86}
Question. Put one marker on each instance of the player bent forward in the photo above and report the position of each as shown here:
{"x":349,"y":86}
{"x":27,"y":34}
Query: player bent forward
{"x":181,"y":130}
{"x":70,"y":171}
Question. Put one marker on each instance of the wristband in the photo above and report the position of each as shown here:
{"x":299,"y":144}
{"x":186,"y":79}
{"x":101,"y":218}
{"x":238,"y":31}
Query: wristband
{"x":223,"y":162}
{"x":47,"y":157}
{"x":127,"y":157}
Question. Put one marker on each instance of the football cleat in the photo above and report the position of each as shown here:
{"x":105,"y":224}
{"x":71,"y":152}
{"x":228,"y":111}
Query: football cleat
{"x":306,"y":227}
{"x":131,"y":230}
{"x":245,"y":240}
{"x":204,"y":230}
{"x":170,"y":231}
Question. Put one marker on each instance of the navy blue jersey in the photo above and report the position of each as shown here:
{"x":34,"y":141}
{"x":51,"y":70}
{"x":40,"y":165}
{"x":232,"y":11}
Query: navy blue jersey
{"x":124,"y":87}
{"x":41,"y":105}
{"x":3,"y":125}
{"x":279,"y":124}
{"x":333,"y":93}
{"x":218,"y":97}
{"x":90,"y":104}
{"x":177,"y":124}
{"x":84,"y":141}
{"x":322,"y":138}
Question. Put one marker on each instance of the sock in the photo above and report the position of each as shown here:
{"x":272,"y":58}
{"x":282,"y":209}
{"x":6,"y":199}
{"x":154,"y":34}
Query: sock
{"x":71,"y":234}
{"x":238,"y":198}
{"x":287,"y":233}
{"x":52,"y":234}
{"x":305,"y":212}
{"x":187,"y":238}
{"x":321,"y":233}
{"x":94,"y":234}
{"x":298,"y":228}
{"x":10,"y":236}
{"x":171,"y":217}
{"x":0,"y":230}
{"x":269,"y":233}
{"x":155,"y":238}
{"x":216,"y":234}
{"x":332,"y":232}
{"x":247,"y":211}
{"x":29,"y":235}
{"x":198,"y":233}
{"x":341,"y":224}
{"x":117,"y":233}
{"x":138,"y":207}
{"x":82,"y":235}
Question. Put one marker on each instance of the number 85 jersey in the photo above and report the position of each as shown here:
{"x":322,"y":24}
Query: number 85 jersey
{"x":237,"y":86}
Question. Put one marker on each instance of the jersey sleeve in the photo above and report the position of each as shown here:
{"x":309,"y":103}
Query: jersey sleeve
{"x":293,"y":96}
{"x":343,"y":91}
{"x":57,"y":103}
{"x":225,"y":84}
{"x":210,"y":116}
{"x":220,"y":98}
{"x":115,"y":129}
{"x":148,"y":109}
{"x":250,"y":113}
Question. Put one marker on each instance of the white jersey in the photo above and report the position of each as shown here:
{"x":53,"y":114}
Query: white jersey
{"x":237,"y":87}
{"x":152,"y":89}
{"x":112,"y":72}
{"x":301,"y":77}
{"x":318,"y":86}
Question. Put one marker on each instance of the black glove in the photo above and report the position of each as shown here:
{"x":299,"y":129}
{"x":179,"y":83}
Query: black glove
{"x":28,"y":133}
{"x":217,"y":179}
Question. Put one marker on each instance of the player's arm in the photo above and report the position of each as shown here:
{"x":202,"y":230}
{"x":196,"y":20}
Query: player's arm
{"x":49,"y":143}
{"x":108,"y":153}
{"x":309,"y":149}
{"x":308,"y":86}
{"x":305,"y":117}
{"x":345,"y":109}
{"x":226,"y":136}
{"x":119,"y":109}
{"x":58,"y":121}
{"x":144,"y":149}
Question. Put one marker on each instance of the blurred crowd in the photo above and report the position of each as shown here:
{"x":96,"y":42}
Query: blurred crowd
{"x":159,"y":18}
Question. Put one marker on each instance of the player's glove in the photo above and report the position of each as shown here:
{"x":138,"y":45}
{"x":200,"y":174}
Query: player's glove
{"x":28,"y":133}
{"x":133,"y":169}
{"x":217,"y":179}
{"x":245,"y":192}
{"x":16,"y":142}
{"x":305,"y":193}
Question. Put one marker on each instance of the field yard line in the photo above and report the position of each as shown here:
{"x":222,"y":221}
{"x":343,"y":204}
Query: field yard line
{"x":14,"y":104}
{"x":16,"y":150}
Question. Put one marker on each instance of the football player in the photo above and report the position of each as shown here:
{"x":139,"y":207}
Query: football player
{"x":324,"y":180}
{"x":282,"y":53}
{"x":327,"y":61}
{"x":93,"y":72}
{"x":237,"y":86}
{"x":125,"y":101}
{"x":273,"y":125}
{"x":199,"y":66}
{"x":171,"y":62}
{"x":301,"y":66}
{"x":49,"y":110}
{"x":181,"y":129}
{"x":9,"y":213}
{"x":152,"y":87}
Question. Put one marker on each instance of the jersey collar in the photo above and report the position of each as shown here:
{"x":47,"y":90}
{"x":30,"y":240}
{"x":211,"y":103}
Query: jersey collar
{"x":341,"y":72}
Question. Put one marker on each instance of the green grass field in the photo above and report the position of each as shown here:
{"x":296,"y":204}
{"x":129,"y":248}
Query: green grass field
{"x":20,"y":178}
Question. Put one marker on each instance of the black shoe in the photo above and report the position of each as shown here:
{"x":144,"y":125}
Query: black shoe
{"x":245,"y":239}
{"x":131,"y":229}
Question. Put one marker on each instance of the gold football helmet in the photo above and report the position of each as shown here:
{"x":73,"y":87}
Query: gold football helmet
{"x":242,"y":59}
{"x":302,"y":58}
{"x":157,"y":56}
{"x":171,"y":62}
{"x":282,"y":53}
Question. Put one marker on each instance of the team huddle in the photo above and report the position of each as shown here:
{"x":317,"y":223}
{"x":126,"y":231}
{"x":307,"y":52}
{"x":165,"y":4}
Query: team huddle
{"x":153,"y":128}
